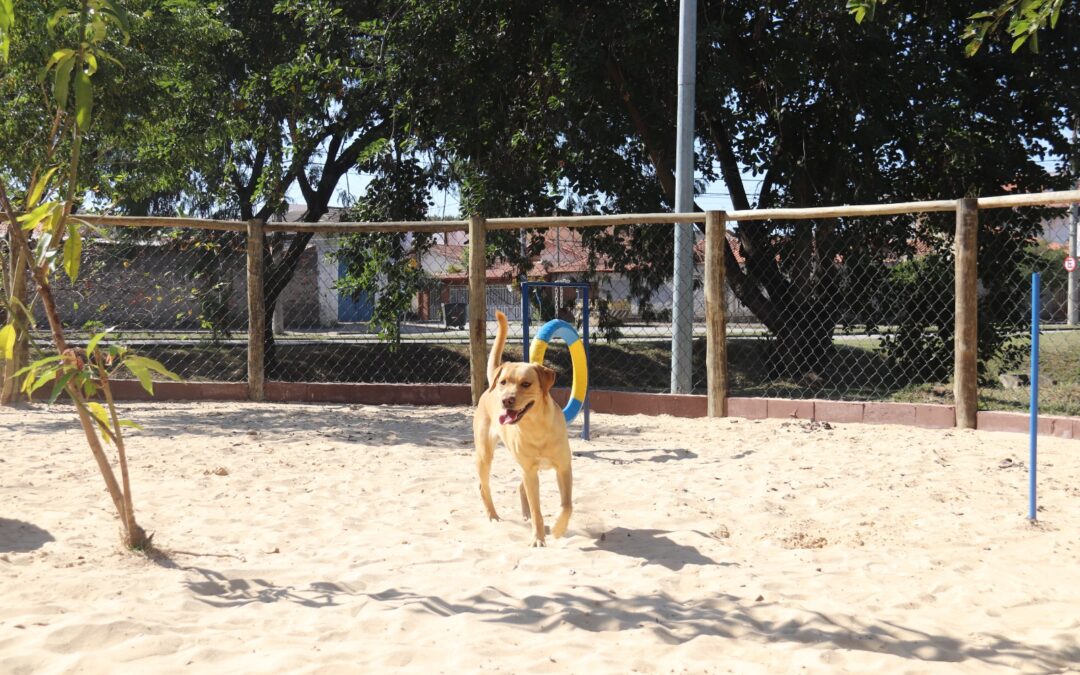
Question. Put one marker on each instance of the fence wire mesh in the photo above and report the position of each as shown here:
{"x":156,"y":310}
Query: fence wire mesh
{"x":173,"y":294}
{"x":849,"y":309}
{"x":386,"y":308}
{"x":1013,"y":245}
{"x":629,"y":270}
{"x":859,"y":309}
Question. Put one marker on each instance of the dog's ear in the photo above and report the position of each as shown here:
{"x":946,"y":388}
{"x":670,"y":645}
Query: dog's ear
{"x":496,"y":377}
{"x":547,"y":378}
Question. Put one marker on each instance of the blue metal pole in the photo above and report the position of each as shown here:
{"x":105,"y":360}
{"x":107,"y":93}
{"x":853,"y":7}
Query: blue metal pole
{"x":1034,"y":428}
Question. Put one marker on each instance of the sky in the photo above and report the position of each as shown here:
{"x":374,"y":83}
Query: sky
{"x":447,"y":205}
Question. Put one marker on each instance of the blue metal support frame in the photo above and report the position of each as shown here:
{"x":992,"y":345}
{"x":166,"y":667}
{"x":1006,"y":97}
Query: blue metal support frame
{"x":526,"y":288}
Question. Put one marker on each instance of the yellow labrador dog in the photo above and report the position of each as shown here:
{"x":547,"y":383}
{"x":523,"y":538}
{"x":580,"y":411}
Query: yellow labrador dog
{"x":517,"y":408}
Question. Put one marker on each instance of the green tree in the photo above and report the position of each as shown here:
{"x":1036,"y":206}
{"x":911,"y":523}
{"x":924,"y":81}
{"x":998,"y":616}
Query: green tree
{"x":46,"y":237}
{"x":525,"y":103}
{"x":222,"y":109}
{"x":1021,"y":20}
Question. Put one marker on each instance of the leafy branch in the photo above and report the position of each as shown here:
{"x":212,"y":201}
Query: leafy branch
{"x":1022,"y":20}
{"x":46,"y":215}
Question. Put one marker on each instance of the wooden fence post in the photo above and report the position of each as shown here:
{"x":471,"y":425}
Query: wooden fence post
{"x":477,"y":306}
{"x":716,"y":363}
{"x":256,"y":309}
{"x":966,"y":392}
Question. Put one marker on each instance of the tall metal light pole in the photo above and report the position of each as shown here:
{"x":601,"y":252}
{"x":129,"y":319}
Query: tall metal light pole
{"x":1074,"y":216}
{"x":682,"y":311}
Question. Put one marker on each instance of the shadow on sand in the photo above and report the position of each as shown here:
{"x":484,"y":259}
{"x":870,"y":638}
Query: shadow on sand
{"x":18,"y":536}
{"x":671,"y":620}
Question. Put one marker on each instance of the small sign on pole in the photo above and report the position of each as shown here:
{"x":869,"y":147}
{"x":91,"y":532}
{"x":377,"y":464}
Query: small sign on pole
{"x":1070,"y":263}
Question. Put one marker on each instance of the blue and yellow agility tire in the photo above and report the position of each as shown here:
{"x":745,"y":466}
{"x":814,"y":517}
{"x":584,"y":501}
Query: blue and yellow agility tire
{"x":557,"y":328}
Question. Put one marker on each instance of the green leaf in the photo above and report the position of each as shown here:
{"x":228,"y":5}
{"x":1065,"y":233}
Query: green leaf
{"x":62,"y":81}
{"x":101,"y":416}
{"x":153,"y":365}
{"x":118,"y":14}
{"x":37,"y":364}
{"x":39,"y":188}
{"x":143,"y":375}
{"x":73,"y":253}
{"x":7,"y":22}
{"x":84,"y":99}
{"x":59,"y":385}
{"x":58,"y":56}
{"x":44,"y":251}
{"x":1018,"y":43}
{"x":130,"y":424}
{"x":97,"y":31}
{"x":7,"y":341}
{"x":92,"y":345}
{"x":101,"y":54}
{"x":91,"y":63}
{"x":30,"y":220}
{"x":58,"y":16}
{"x":45,"y":378}
{"x":57,"y":221}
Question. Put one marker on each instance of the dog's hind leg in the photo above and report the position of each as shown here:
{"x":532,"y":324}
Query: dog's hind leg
{"x":485,"y":451}
{"x":524,"y":500}
{"x":565,"y":479}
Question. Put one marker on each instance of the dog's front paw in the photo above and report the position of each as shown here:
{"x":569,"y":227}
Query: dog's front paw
{"x":494,"y":517}
{"x":538,"y":543}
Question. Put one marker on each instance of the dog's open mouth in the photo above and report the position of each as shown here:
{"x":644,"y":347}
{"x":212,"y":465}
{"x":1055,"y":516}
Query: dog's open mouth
{"x":513,"y":416}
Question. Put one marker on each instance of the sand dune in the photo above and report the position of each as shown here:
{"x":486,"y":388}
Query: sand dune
{"x":334,"y":538}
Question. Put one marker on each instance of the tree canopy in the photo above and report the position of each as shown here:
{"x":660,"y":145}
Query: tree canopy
{"x":1021,"y":20}
{"x":528,"y":108}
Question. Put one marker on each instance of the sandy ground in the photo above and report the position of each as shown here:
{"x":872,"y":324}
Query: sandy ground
{"x":332,"y":538}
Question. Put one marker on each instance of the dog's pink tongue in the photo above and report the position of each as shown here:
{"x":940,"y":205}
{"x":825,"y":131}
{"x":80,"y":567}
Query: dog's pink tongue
{"x":508,"y":417}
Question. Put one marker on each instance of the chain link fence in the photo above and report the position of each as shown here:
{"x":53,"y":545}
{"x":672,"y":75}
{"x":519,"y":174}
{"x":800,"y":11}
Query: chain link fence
{"x":629,"y":271}
{"x":173,"y":294}
{"x":846,"y":309}
{"x":1014,"y":244}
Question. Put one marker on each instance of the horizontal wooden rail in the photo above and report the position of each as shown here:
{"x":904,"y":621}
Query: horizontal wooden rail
{"x":355,"y":228}
{"x":594,"y":221}
{"x":851,"y":211}
{"x":1060,"y":198}
{"x":147,"y":221}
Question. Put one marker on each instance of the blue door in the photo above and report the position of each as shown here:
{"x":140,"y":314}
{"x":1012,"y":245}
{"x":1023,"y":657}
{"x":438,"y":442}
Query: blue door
{"x":353,"y":308}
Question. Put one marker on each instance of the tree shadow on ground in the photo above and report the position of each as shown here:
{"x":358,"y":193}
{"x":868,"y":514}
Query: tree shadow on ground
{"x":219,"y":590}
{"x":328,"y":423}
{"x":18,"y":536}
{"x":658,"y":455}
{"x":676,"y":621}
{"x":672,"y":620}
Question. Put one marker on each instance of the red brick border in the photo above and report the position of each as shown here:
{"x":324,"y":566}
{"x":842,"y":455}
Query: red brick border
{"x":608,"y":401}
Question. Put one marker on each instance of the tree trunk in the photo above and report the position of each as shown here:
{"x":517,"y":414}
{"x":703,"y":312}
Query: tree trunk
{"x":134,"y":535}
{"x":10,"y":384}
{"x":803,"y":341}
{"x":278,"y":274}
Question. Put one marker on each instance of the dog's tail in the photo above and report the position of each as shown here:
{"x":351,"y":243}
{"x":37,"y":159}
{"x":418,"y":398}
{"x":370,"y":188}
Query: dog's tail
{"x":495,"y":357}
